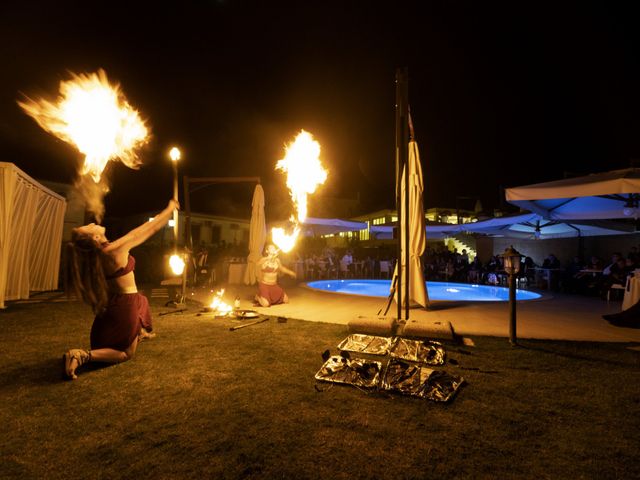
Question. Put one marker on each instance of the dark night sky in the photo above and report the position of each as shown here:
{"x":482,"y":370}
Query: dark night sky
{"x":500,"y":95}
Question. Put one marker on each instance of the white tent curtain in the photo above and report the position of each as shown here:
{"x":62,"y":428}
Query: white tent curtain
{"x":31,"y":222}
{"x":257,"y":236}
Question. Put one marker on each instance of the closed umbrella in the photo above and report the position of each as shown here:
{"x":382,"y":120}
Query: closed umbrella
{"x":257,"y":236}
{"x":417,"y":233}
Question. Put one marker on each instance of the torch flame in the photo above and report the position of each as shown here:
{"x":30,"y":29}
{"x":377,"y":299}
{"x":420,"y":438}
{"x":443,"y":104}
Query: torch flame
{"x":304,"y":174}
{"x":177,"y":264}
{"x":95,"y":117}
{"x":283,"y":240}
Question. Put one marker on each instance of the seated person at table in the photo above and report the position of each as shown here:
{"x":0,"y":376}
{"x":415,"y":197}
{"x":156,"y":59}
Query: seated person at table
{"x":346,"y":263}
{"x":475,"y":271}
{"x":588,"y":281}
{"x":617,"y":275}
{"x":614,"y":260}
{"x":551,"y":262}
{"x":529,"y":269}
{"x":570,"y":282}
{"x":269,"y":292}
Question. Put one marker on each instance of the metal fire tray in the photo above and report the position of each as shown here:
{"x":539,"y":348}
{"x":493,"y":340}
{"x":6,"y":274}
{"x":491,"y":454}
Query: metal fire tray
{"x":352,"y":371}
{"x":370,"y":344}
{"x":423,"y":351}
{"x":419,"y":381}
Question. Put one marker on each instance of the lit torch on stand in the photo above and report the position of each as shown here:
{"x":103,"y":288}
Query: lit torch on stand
{"x":176,"y":261}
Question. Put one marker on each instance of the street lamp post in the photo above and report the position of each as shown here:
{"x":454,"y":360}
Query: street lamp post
{"x":175,"y":155}
{"x":176,"y":261}
{"x":511,"y":259}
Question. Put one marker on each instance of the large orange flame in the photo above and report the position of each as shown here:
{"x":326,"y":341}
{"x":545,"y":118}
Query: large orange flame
{"x":304,"y":174}
{"x":94,"y":116}
{"x":218,"y":305}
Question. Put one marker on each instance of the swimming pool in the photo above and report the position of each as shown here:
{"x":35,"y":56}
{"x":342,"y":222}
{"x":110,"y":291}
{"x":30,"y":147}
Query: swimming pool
{"x":464,"y":292}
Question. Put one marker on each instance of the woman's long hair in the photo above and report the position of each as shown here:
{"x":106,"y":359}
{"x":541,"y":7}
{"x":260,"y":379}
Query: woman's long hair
{"x":85,"y":273}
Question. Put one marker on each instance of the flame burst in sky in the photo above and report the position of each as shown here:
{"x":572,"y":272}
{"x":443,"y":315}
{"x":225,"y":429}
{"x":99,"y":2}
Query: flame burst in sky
{"x":304,"y":174}
{"x":94,"y":116}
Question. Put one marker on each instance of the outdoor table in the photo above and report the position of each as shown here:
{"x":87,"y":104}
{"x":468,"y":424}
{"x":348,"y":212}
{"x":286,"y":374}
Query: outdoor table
{"x":593,"y":271}
{"x":631,"y":292}
{"x":547,"y":274}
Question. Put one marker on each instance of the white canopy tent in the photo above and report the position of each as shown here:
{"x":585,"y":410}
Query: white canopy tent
{"x":433,"y":230}
{"x":608,"y":195}
{"x":330,"y":226}
{"x":527,"y":225}
{"x":31,"y":222}
{"x":533,"y":226}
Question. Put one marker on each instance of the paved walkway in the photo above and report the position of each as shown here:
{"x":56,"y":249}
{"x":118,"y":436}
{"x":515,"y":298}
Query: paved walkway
{"x":560,"y":317}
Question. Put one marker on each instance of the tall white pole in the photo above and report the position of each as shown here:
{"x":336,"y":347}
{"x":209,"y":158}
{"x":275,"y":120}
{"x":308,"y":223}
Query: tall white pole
{"x":175,"y":156}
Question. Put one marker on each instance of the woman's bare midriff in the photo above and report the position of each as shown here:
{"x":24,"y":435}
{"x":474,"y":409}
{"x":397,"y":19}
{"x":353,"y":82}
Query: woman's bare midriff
{"x":269,"y":278}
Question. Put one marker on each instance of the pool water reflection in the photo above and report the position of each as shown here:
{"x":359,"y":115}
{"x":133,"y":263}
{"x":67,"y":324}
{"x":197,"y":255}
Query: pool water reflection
{"x":464,"y":292}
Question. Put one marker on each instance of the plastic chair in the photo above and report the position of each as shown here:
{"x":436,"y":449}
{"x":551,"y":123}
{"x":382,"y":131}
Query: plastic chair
{"x":615,"y":286}
{"x":344,"y":270}
{"x":384,"y":269}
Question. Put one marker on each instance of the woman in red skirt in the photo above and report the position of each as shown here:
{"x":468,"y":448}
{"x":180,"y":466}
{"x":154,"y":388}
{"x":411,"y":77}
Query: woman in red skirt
{"x":101,"y":273}
{"x":269,"y":292}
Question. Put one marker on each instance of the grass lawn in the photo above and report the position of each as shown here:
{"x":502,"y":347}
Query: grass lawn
{"x":200,"y":401}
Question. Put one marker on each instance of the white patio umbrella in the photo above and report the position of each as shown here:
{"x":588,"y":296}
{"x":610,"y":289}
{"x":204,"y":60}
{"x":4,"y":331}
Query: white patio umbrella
{"x":607,"y":195}
{"x":417,"y":233}
{"x":257,"y":236}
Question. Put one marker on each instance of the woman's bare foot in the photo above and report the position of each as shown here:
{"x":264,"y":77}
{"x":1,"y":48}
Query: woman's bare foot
{"x":262,"y":301}
{"x":73,"y":359}
{"x":143,"y":335}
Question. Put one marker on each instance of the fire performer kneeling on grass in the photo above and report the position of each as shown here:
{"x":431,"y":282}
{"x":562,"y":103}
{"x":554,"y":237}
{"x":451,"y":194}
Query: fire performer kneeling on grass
{"x":269,"y":292}
{"x":101,"y":273}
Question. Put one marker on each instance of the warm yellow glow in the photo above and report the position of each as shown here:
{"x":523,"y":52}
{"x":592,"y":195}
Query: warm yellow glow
{"x":304,"y":170}
{"x":304,"y":174}
{"x":174,"y":154}
{"x":170,"y":224}
{"x":283,"y":240}
{"x":94,"y":116}
{"x":177,"y":264}
{"x":218,"y":305}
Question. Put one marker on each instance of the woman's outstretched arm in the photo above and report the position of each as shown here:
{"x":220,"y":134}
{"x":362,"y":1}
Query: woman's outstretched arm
{"x":285,"y":270}
{"x":140,"y":234}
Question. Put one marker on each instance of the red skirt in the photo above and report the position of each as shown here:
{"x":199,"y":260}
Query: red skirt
{"x":273,"y":293}
{"x":119,"y":325}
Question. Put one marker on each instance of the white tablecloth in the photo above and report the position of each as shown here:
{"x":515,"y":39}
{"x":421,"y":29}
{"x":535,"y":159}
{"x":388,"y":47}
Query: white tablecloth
{"x":631,"y":293}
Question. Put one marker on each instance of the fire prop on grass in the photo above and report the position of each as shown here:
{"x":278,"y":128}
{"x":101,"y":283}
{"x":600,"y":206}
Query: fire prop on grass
{"x":304,"y":174}
{"x":94,"y":116}
{"x":218,"y":306}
